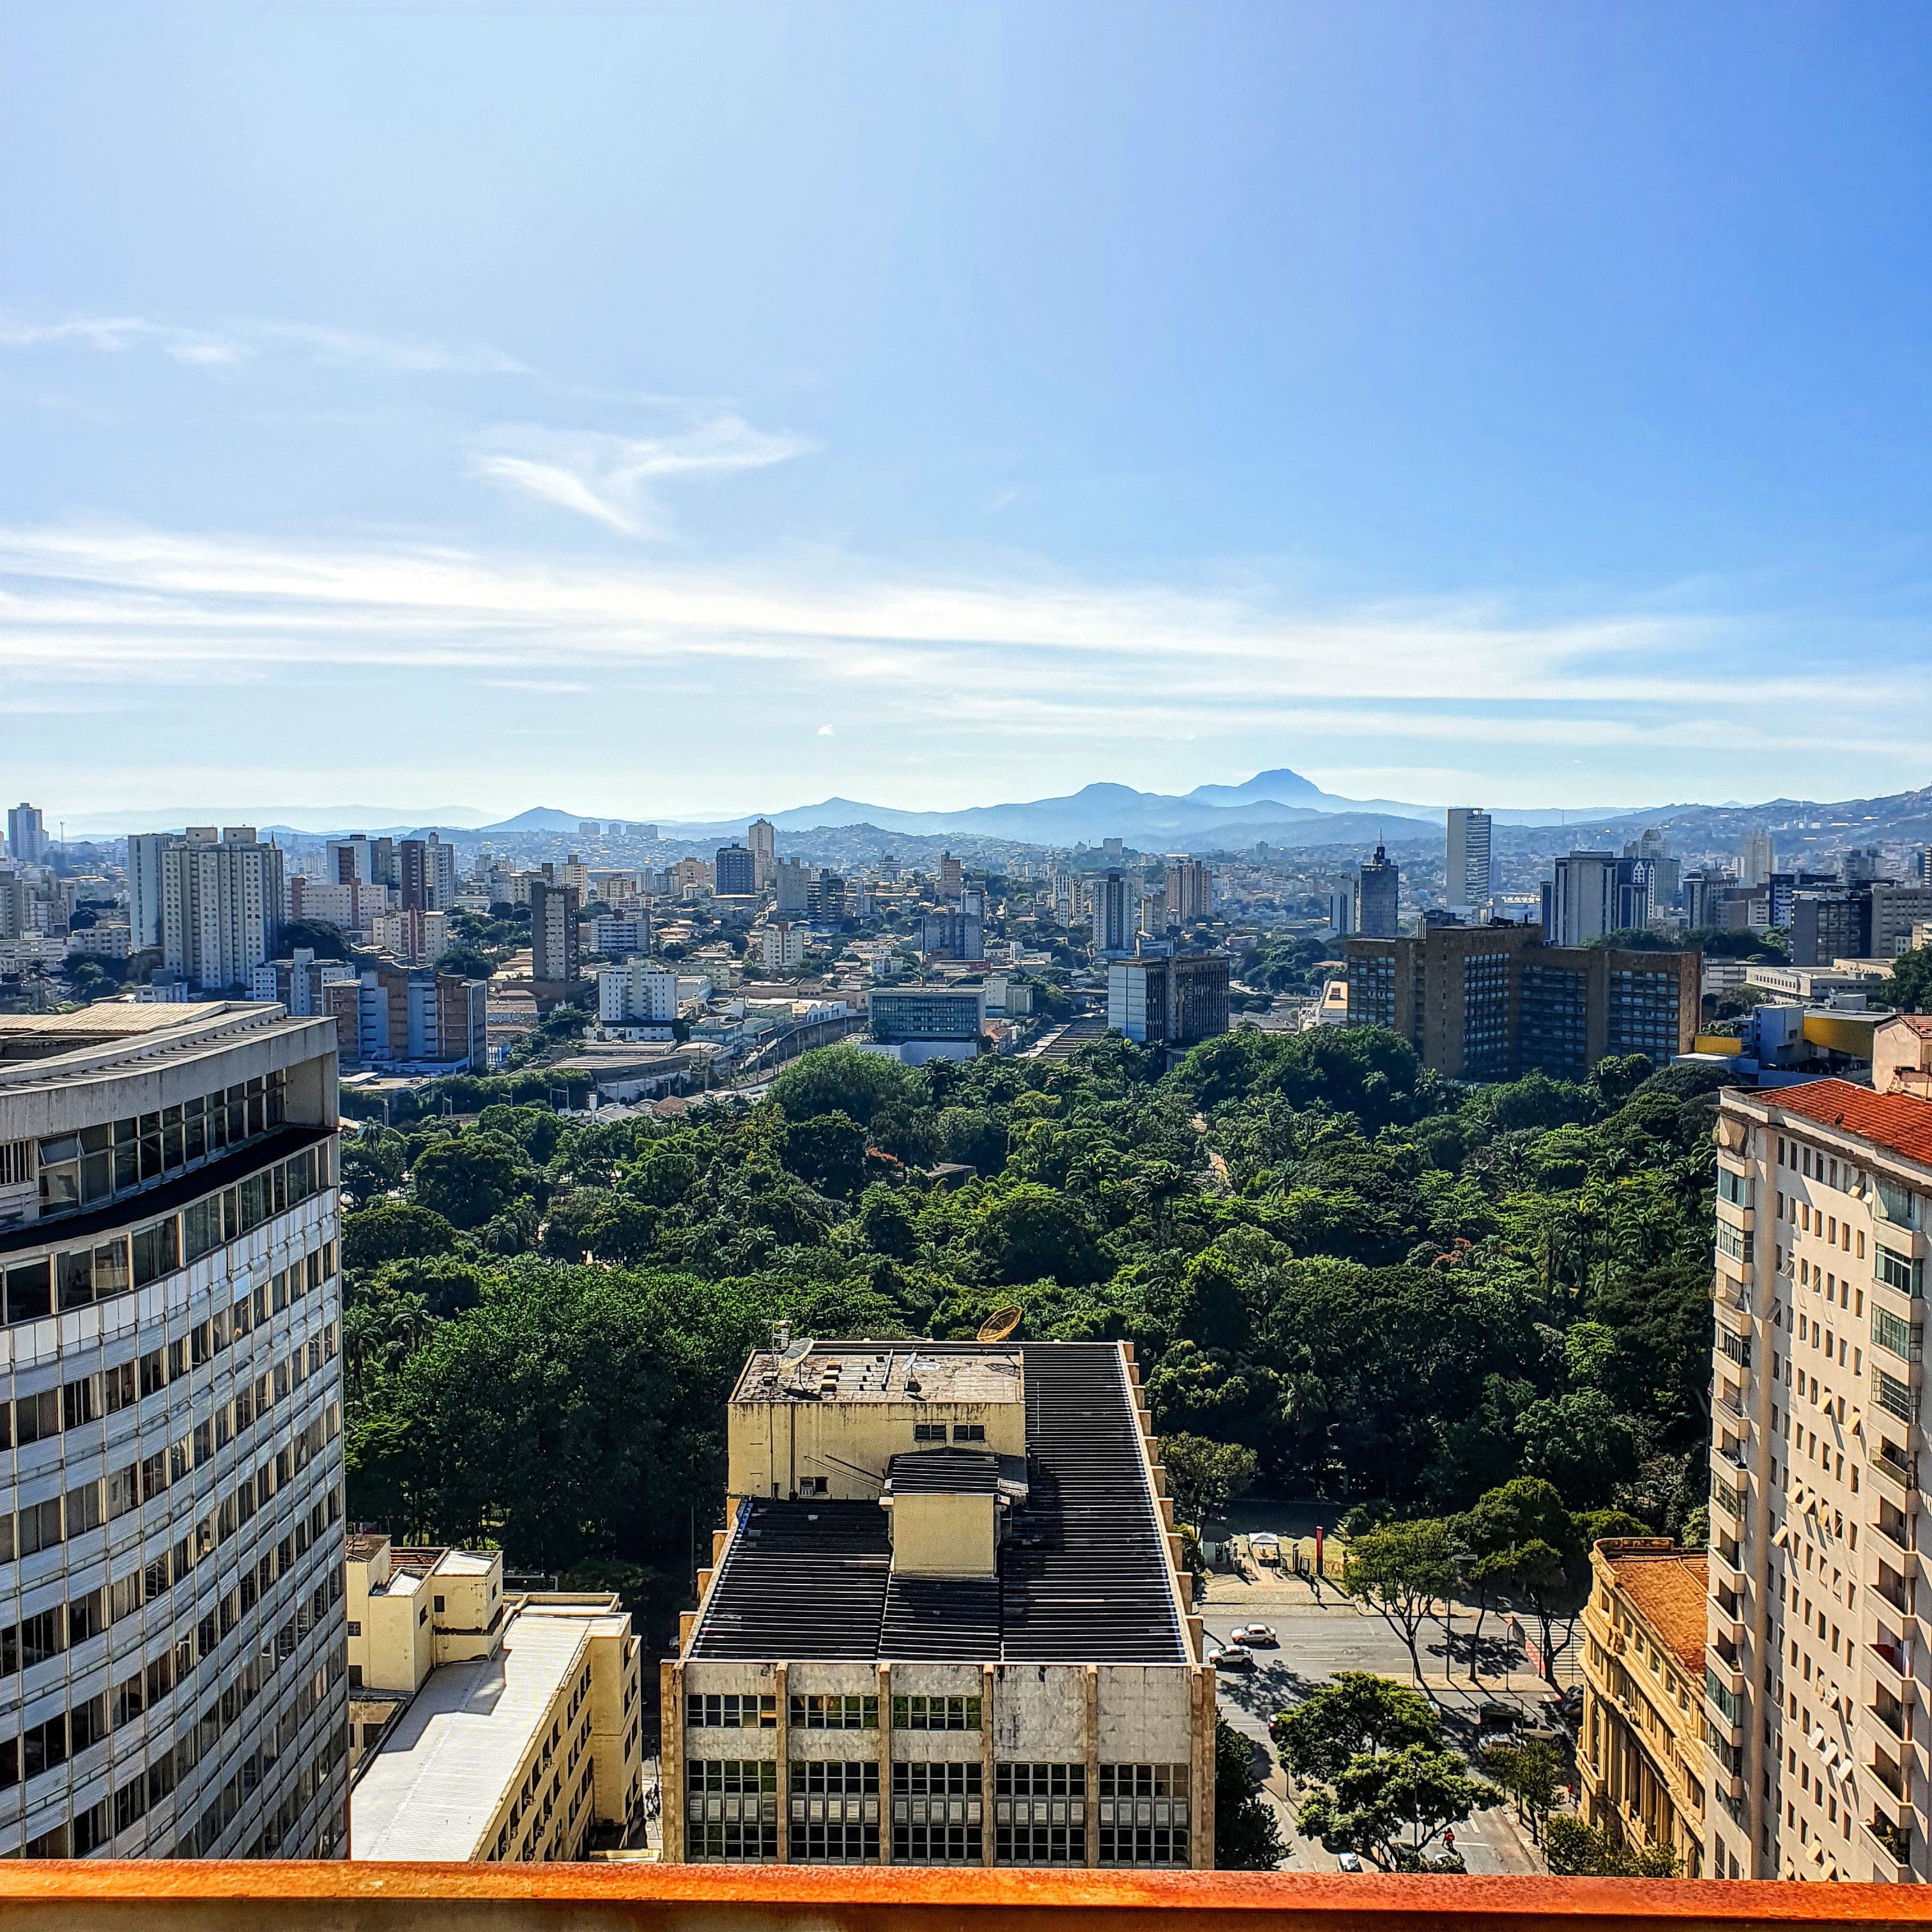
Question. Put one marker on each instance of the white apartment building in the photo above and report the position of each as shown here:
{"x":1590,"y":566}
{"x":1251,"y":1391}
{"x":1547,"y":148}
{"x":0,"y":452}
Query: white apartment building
{"x":1189,"y":889}
{"x":1815,"y":1657}
{"x":781,"y":946}
{"x":615,"y":936}
{"x":641,"y":992}
{"x":173,"y":1658}
{"x":222,"y":904}
{"x":790,"y":886}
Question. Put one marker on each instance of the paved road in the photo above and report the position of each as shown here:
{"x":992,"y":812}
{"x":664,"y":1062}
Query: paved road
{"x":1317,"y":1642}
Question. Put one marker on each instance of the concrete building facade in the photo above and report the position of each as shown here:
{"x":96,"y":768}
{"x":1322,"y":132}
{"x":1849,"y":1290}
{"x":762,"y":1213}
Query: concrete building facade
{"x":1815,"y":1661}
{"x":172,"y":1665}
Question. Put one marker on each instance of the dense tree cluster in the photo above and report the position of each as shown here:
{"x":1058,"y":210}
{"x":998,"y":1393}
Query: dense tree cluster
{"x":1374,"y":1285}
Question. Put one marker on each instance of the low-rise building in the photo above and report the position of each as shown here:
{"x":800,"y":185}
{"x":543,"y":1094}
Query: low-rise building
{"x":1640,"y":1757}
{"x":487,"y":1726}
{"x":946,"y":1625}
{"x":924,"y":1023}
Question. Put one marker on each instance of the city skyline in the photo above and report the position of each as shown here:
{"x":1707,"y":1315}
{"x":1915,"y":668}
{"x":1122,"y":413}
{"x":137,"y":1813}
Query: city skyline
{"x":934,"y":479}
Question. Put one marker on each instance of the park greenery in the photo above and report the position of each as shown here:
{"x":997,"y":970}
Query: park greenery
{"x":1343,"y":1278}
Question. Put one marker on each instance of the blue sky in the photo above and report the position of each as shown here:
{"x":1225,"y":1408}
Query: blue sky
{"x":657,"y":409}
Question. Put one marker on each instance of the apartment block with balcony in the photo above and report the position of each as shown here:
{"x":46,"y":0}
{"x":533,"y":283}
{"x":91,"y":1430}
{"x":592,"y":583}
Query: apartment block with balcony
{"x":1817,"y":1663}
{"x":947,"y":1624}
{"x":1641,"y":1759}
{"x":172,"y":1665}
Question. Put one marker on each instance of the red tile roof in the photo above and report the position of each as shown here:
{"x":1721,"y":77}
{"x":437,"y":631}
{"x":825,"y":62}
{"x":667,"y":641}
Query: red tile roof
{"x":1667,"y":1589}
{"x":1898,"y":1121}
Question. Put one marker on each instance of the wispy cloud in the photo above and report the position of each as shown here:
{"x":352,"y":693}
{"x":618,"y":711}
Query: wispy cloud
{"x":616,"y":480}
{"x":1039,"y":659}
{"x":228,"y":344}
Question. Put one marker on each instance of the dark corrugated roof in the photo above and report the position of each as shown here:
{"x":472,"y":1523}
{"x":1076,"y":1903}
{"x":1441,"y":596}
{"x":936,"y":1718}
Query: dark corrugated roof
{"x":1083,"y":1573}
{"x":936,"y":1472}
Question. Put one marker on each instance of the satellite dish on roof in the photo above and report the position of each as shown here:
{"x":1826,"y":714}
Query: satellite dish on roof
{"x":1001,"y":1323}
{"x":791,"y":1361}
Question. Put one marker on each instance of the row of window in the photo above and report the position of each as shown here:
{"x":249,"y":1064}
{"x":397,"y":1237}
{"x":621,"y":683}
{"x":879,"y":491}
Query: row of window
{"x":39,"y":1525}
{"x":45,"y":1634}
{"x":131,"y":1801}
{"x":937,"y":1816}
{"x":811,"y":1711}
{"x":101,"y":1270}
{"x":44,"y":1747}
{"x":962,"y":1432}
{"x":90,"y":1168}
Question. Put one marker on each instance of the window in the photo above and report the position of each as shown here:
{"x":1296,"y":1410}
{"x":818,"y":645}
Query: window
{"x":928,"y":1431}
{"x":1734,"y":1187}
{"x":969,"y":1432}
{"x":1897,"y":1203}
{"x":938,"y":1814}
{"x":40,"y":1526}
{"x":732,"y":1711}
{"x":815,"y":1713}
{"x":156,"y":1251}
{"x":1894,"y":1396}
{"x":1144,"y":1818}
{"x":1908,"y":1277}
{"x":1039,"y":1814}
{"x":29,"y":1291}
{"x":834,"y":1811}
{"x":730,"y":1809}
{"x":1897,"y":1335}
{"x":935,"y":1713}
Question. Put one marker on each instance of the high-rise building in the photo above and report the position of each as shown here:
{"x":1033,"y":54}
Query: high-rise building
{"x":410,"y":1017}
{"x":1342,"y":911}
{"x":790,"y":887}
{"x":1178,"y":999}
{"x":168,"y":1248}
{"x":953,"y":935}
{"x":1858,"y":866}
{"x":351,"y":861}
{"x":952,"y":877}
{"x":736,"y":875}
{"x":553,"y":938}
{"x":825,"y":896}
{"x":1824,"y":1199}
{"x":762,"y":839}
{"x":1468,"y":871}
{"x":1495,"y":1002}
{"x":1190,"y":886}
{"x":144,"y":885}
{"x":639,"y":992}
{"x":1378,"y":898}
{"x":781,"y":946}
{"x":901,"y":1652}
{"x":222,"y":905}
{"x":1758,"y":860}
{"x":26,"y":834}
{"x":1114,"y":915}
{"x":427,"y":869}
{"x":1593,"y":893}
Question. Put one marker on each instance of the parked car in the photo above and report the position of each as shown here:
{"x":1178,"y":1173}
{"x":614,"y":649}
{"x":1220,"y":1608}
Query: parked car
{"x":1231,"y":1656}
{"x":1349,"y":1861}
{"x":1492,"y":1716}
{"x":1252,"y":1634}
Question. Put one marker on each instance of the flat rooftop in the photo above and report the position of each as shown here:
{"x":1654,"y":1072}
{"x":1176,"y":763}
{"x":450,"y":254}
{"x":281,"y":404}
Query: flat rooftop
{"x":113,"y":1034}
{"x":431,"y":1788}
{"x":885,"y":1372}
{"x":1083,"y":1574}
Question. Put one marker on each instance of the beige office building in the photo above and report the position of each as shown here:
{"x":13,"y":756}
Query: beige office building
{"x":947,"y":1623}
{"x":1816,"y":1661}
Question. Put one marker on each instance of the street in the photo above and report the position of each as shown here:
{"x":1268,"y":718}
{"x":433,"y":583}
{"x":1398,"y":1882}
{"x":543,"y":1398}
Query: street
{"x":1318,"y":1640}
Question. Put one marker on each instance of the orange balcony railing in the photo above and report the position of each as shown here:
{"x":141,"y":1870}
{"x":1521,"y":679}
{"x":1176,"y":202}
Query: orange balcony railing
{"x":213,"y":1897}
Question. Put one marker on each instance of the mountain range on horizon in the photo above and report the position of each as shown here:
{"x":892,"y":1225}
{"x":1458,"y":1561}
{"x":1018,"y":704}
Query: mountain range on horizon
{"x":1279,"y":806}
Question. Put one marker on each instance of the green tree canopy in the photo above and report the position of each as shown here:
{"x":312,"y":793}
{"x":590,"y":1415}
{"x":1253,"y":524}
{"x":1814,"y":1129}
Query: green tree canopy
{"x":1202,"y":1476}
{"x":466,"y":1178}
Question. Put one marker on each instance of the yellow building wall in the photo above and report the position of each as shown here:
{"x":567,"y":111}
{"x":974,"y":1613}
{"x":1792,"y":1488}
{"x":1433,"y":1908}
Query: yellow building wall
{"x":773,"y":1444}
{"x":943,"y":1536}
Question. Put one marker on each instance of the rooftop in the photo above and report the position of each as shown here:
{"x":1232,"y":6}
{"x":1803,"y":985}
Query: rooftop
{"x":884,"y":1372}
{"x":113,"y":1034}
{"x":1668,"y":1589}
{"x":1083,"y":1575}
{"x":1898,"y":1121}
{"x":432,"y":1788}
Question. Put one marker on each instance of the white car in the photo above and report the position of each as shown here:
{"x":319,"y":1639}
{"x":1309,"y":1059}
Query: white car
{"x":1349,"y":1861}
{"x":1231,"y":1656}
{"x":1261,"y":1634}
